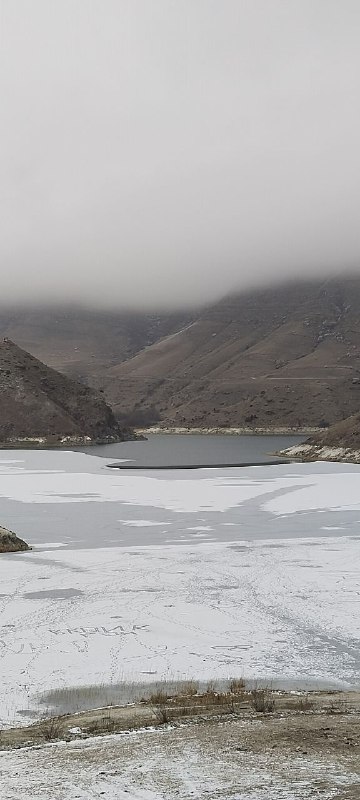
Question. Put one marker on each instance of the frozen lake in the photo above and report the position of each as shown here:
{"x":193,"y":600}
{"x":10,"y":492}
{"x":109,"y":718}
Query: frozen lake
{"x":73,"y":500}
{"x":151,"y":575}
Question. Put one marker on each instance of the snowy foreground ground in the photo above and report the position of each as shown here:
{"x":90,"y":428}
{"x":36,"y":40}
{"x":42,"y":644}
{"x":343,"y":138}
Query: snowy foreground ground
{"x":233,"y":760}
{"x":145,"y":576}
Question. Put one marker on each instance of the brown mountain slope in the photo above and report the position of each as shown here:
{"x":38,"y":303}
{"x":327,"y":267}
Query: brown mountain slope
{"x":82,"y":343}
{"x":284,"y":356}
{"x":38,"y":402}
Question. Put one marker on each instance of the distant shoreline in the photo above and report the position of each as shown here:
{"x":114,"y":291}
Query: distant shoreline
{"x":318,"y":452}
{"x":233,"y":431}
{"x":63,"y":443}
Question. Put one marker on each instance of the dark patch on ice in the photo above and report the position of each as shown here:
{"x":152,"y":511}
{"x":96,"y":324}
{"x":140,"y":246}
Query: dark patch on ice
{"x":55,"y":594}
{"x":239,"y":547}
{"x":273,"y":546}
{"x":223,"y":586}
{"x":141,"y":589}
{"x":26,"y":712}
{"x":78,"y":495}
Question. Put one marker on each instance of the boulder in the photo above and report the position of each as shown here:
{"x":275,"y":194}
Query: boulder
{"x":10,"y":543}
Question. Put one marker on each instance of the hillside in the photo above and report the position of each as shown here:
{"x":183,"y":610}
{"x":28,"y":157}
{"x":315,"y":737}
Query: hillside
{"x":282,"y":356}
{"x":37,"y":402}
{"x":82,"y":342}
{"x":340,"y":442}
{"x":343,"y":434}
{"x":287,"y":356}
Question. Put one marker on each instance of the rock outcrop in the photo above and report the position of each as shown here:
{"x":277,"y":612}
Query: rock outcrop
{"x":339,"y":442}
{"x":39,"y":406}
{"x":10,"y":543}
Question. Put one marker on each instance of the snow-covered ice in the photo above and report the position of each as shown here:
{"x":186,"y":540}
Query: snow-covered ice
{"x":229,"y":572}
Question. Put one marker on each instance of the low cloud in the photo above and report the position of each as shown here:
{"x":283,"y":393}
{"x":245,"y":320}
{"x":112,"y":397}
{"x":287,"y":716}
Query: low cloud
{"x":164,"y":153}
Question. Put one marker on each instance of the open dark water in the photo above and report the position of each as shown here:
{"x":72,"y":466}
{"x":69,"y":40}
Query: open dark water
{"x":168,"y":450}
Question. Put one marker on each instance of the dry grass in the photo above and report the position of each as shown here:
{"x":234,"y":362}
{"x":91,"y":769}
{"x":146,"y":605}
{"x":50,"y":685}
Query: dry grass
{"x":189,"y":701}
{"x":210,"y":703}
{"x":303,"y":703}
{"x":336,"y":708}
{"x":75,"y":699}
{"x":211,"y":688}
{"x":162,"y":715}
{"x":106,"y":724}
{"x":52,"y":728}
{"x":190,"y":688}
{"x":262,"y":701}
{"x":237,"y":686}
{"x":159,"y":697}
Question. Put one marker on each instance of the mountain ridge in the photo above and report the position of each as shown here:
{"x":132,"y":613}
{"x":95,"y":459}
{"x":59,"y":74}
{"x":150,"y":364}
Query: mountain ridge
{"x":286,"y":356}
{"x":81,"y":342}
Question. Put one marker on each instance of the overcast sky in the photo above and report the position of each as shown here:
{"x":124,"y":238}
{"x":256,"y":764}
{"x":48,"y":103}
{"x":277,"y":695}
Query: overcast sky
{"x":164,"y":151}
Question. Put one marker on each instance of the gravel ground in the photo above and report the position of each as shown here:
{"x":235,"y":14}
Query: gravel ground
{"x":282,"y":756}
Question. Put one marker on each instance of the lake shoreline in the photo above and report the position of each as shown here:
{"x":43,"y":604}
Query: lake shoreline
{"x":232,"y":431}
{"x":316,"y":452}
{"x":220,"y":465}
{"x":65,"y":442}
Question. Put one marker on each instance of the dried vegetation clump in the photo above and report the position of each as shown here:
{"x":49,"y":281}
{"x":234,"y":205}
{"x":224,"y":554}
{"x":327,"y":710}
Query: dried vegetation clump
{"x":190,"y":702}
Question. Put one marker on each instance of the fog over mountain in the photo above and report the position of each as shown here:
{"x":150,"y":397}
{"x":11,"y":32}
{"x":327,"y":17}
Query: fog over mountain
{"x":163,"y":153}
